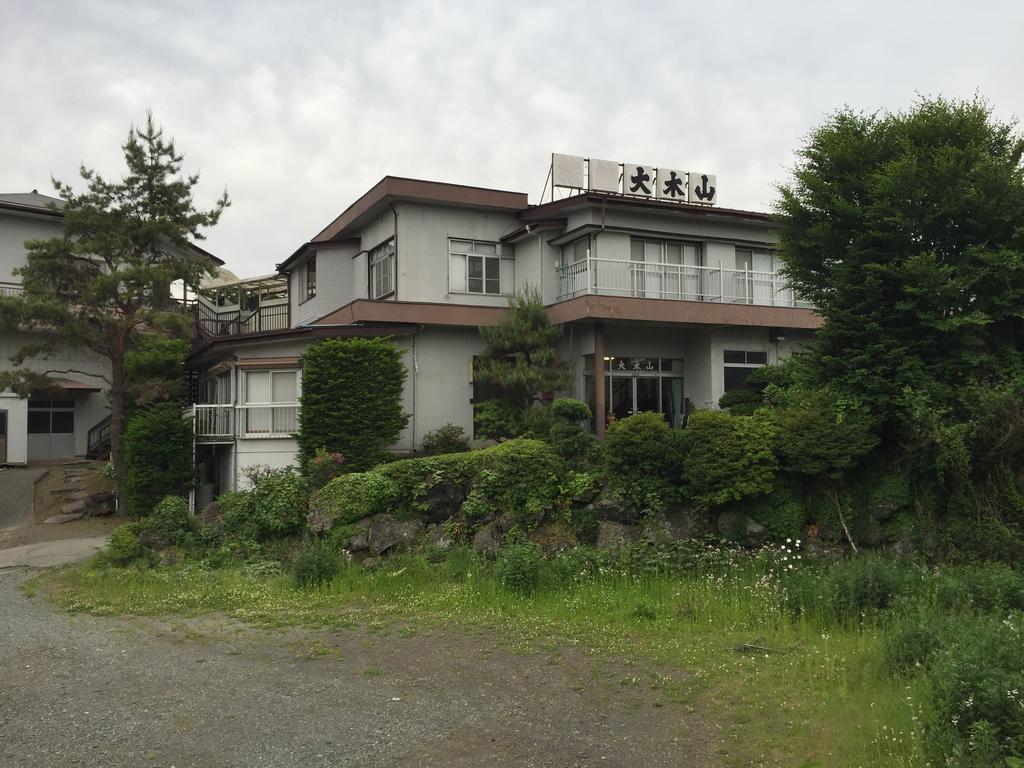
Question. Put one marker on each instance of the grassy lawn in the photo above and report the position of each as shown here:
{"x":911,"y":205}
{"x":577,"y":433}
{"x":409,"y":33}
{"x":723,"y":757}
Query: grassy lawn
{"x":784,"y":691}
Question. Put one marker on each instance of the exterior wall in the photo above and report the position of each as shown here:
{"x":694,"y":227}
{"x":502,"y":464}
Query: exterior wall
{"x":441,"y":380}
{"x":423,"y":233}
{"x":17,"y":427}
{"x":15,"y":229}
{"x":335,"y":284}
{"x":276,"y":453}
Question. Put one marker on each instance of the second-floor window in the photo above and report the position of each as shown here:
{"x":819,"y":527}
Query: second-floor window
{"x":307,"y":280}
{"x":477,"y":266}
{"x":382,"y":270}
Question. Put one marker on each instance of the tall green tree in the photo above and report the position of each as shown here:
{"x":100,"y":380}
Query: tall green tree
{"x":520,"y":354}
{"x":104,"y":283}
{"x":906,"y":230}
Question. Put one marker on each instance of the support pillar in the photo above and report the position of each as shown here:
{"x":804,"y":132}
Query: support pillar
{"x":600,"y":406}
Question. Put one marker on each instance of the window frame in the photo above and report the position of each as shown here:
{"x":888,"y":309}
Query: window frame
{"x":499,"y":257}
{"x":746,"y":363}
{"x":307,"y":287}
{"x":383,"y":253}
{"x":244,"y":394}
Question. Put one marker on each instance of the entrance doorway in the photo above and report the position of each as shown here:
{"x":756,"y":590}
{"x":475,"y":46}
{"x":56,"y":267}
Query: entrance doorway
{"x":51,"y":429}
{"x":633,"y":394}
{"x":640,"y":385}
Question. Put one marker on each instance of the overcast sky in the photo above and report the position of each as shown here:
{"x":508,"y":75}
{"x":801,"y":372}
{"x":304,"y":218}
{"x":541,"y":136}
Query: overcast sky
{"x":298,"y":108}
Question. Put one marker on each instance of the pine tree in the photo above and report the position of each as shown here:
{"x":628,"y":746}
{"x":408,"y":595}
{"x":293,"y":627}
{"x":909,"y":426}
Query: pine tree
{"x":520,"y":353}
{"x":104,"y":283}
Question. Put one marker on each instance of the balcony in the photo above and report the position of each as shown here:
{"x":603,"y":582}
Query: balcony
{"x":226,"y":423}
{"x":646,"y":280}
{"x":213,"y":321}
{"x":11,"y":289}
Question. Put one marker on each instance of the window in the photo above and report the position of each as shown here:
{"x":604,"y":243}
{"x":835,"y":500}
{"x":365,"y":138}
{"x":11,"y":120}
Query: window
{"x":307,"y":279}
{"x":51,"y":417}
{"x":382,"y":270}
{"x":739,"y":364}
{"x":576,"y":252}
{"x":271,"y":399}
{"x":476,"y":266}
{"x":665,"y":269}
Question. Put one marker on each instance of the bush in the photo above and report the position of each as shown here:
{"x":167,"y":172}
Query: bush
{"x":988,"y":587}
{"x":866,"y":583}
{"x":518,"y":477}
{"x":642,"y":461}
{"x":518,"y":567}
{"x":323,"y":468}
{"x":157,"y":456}
{"x":977,"y":693}
{"x":124,"y":548}
{"x":497,"y":419}
{"x":726,"y":458}
{"x":317,"y":564}
{"x":450,"y":438}
{"x":741,"y":402}
{"x":573,"y":411}
{"x":351,"y":400}
{"x":912,"y":643}
{"x":275,"y":507}
{"x":782,"y":511}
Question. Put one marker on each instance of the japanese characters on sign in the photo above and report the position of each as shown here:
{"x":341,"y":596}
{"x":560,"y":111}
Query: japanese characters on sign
{"x":636,"y":179}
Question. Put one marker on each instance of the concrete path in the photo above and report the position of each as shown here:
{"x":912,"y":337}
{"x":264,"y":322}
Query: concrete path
{"x":49,"y":553}
{"x":17,"y":495}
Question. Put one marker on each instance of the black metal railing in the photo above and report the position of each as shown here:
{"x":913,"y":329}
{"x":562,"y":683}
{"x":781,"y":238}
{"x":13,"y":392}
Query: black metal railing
{"x":98,"y":441}
{"x":211,"y":321}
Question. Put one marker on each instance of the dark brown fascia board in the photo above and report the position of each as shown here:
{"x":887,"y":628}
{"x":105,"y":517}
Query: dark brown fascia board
{"x":34,"y":209}
{"x":610,"y":308}
{"x":393,"y":188}
{"x":546,"y":210}
{"x":409,"y":312}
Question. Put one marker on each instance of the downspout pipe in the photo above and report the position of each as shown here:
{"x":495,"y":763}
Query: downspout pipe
{"x":394,"y":210}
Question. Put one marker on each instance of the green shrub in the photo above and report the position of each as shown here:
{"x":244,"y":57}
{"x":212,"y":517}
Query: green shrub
{"x":157,"y":456}
{"x":275,"y":507}
{"x":726,"y":458}
{"x":518,"y":567}
{"x":988,"y":587}
{"x":866,"y":583}
{"x":641,"y":459}
{"x":571,"y":410}
{"x":317,"y":564}
{"x":518,"y":477}
{"x":323,"y":468}
{"x":170,"y":516}
{"x":782,"y":511}
{"x":741,"y":402}
{"x":450,"y":438}
{"x":497,"y":419}
{"x":351,"y":400}
{"x":977,"y":693}
{"x":124,"y":548}
{"x":821,"y":435}
{"x":910,"y":646}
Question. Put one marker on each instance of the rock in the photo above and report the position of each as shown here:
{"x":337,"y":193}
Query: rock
{"x":685,"y":523}
{"x":605,"y":508}
{"x":73,"y":508}
{"x":360,"y":540}
{"x":553,"y":537}
{"x":61,"y":519}
{"x":371,"y":562}
{"x":387,"y":532}
{"x":488,"y":538}
{"x":77,"y":495}
{"x":437,"y":535}
{"x":612,"y":535}
{"x":442,"y":501}
{"x":738,"y":525}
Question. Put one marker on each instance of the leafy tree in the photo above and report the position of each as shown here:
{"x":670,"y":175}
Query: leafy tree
{"x":158,"y":457}
{"x":520,"y":353}
{"x":154,"y":370}
{"x":906,"y":231}
{"x":104,"y":283}
{"x":351,"y":400}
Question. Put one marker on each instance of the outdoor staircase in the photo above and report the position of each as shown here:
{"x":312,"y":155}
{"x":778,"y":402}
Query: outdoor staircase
{"x":98,"y":443}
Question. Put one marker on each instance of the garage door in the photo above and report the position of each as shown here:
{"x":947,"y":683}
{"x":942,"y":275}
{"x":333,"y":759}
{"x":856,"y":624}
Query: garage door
{"x":51,"y":429}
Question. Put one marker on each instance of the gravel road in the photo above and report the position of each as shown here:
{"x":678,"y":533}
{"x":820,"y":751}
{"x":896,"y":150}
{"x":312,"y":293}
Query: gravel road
{"x":102,"y":691}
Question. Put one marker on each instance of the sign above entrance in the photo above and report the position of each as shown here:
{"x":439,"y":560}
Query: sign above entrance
{"x":633,"y":179}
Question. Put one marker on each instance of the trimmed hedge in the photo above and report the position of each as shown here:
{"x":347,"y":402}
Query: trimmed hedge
{"x":351,"y":400}
{"x":157,"y":456}
{"x":519,"y":478}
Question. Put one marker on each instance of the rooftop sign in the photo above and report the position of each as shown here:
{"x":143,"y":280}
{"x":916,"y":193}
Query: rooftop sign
{"x":634,"y":179}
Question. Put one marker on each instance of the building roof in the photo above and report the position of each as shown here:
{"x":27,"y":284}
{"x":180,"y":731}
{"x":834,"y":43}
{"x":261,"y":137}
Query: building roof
{"x":33,"y":202}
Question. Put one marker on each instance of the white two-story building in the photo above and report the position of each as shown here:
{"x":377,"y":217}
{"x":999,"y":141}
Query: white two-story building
{"x":664,"y":304}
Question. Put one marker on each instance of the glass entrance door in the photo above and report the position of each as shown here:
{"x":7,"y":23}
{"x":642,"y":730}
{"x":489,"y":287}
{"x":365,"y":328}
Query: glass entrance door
{"x":645,"y":397}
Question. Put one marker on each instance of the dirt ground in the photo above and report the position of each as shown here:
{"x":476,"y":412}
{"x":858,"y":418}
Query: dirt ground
{"x":212,"y":692}
{"x":47,"y":503}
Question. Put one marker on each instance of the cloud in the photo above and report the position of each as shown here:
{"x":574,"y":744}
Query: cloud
{"x":299,"y":108}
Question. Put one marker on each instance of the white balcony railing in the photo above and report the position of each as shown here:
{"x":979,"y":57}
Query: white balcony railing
{"x":11,"y":289}
{"x":613,"y":277}
{"x":225,"y":423}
